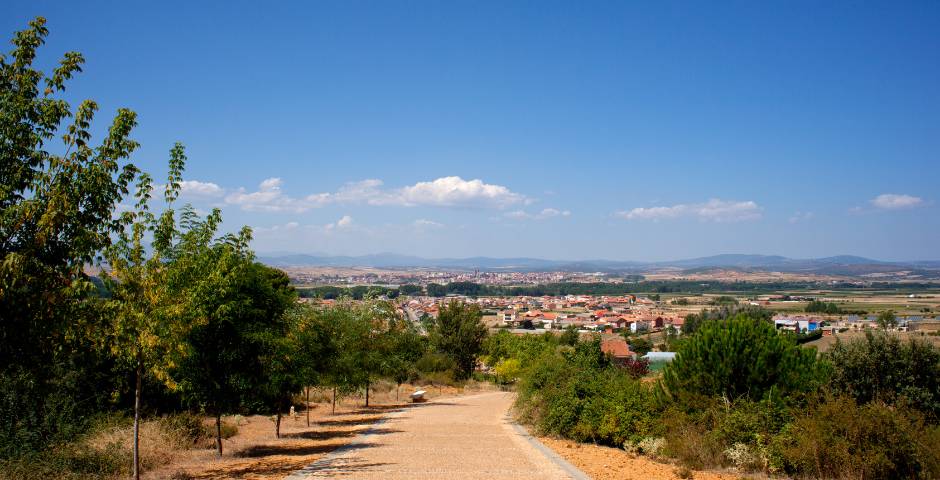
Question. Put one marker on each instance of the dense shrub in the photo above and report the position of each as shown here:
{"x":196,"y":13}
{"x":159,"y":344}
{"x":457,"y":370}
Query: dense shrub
{"x":577,"y":393}
{"x":725,"y":433}
{"x":819,"y":306}
{"x":432,"y":362}
{"x":882,"y":367}
{"x":842,"y":439}
{"x":738,"y":357}
{"x":694,"y":321}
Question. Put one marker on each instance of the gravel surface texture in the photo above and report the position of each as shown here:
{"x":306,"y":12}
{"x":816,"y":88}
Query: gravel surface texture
{"x":467,"y":437}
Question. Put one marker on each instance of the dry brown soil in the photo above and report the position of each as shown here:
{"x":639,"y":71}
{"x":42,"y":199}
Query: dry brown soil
{"x":606,"y":463}
{"x":254,"y":453}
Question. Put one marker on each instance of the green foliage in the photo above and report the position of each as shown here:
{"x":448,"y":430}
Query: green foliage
{"x":576,"y":393}
{"x":818,"y":306}
{"x":459,"y":332}
{"x":842,"y":439}
{"x":409,"y":289}
{"x":232,"y":357}
{"x":56,"y":214}
{"x":570,"y":336}
{"x":723,"y":300}
{"x":640,"y":345}
{"x":887,"y":319}
{"x":694,"y":321}
{"x":881,"y":367}
{"x":435,"y":290}
{"x":739,"y":357}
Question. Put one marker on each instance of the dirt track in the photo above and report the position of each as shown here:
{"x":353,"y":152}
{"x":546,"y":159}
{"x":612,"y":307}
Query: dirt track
{"x":463,"y":437}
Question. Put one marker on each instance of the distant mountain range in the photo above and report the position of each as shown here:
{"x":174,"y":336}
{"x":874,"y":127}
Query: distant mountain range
{"x":837,"y":265}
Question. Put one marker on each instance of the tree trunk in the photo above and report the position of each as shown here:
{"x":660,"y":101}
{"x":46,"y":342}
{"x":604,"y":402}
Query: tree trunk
{"x":397,"y":391}
{"x":137,"y":394}
{"x":307,"y":406}
{"x":277,"y":424}
{"x":334,"y":401}
{"x":218,"y":432}
{"x":367,"y":392}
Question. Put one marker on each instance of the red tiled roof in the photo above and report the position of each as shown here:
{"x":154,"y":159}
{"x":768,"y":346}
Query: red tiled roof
{"x":617,"y":347}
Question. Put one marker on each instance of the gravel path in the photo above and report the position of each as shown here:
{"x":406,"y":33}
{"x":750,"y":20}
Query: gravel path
{"x":454,"y":438}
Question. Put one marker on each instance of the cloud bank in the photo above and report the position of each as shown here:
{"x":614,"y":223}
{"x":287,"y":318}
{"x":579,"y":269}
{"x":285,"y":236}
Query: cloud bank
{"x":714,"y":210}
{"x":452,"y":192}
{"x":896,"y":201}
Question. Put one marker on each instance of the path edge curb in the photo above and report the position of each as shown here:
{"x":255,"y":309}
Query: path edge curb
{"x":573,"y":471}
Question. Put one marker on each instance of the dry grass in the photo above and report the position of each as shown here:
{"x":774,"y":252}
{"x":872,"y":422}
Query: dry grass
{"x":157,"y":446}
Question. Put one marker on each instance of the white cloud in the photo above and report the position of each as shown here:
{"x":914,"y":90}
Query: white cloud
{"x":343,"y":223}
{"x":714,"y":210}
{"x":896,"y":201}
{"x":423,"y":223}
{"x":457,"y":192}
{"x":200,"y":189}
{"x":544,"y":214}
{"x":268,"y":198}
{"x":801,"y":217}
{"x":442,"y":192}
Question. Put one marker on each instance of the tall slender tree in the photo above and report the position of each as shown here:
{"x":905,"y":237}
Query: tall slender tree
{"x":145,"y":326}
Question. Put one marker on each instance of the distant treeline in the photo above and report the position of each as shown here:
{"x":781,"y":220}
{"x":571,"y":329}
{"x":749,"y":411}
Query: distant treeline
{"x":656,"y":287}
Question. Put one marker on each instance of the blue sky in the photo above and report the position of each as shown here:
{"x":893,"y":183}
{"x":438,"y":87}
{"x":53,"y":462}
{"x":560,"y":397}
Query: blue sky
{"x":570,"y":130}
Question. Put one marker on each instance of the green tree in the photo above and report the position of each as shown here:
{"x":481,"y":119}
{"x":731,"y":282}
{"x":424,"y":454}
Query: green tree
{"x":459,"y":332}
{"x":315,"y":347}
{"x":640,"y":345}
{"x":234,"y":305}
{"x":887,"y":320}
{"x":406,"y":349}
{"x":56,"y":214}
{"x":881,"y":367}
{"x":739,"y":357}
{"x":570,"y":336}
{"x":436,"y":290}
{"x":409,"y":289}
{"x":694,"y":321}
{"x":144,"y":329}
{"x":281,"y":360}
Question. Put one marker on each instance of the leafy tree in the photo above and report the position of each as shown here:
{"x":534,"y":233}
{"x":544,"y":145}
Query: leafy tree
{"x":407,"y":347}
{"x":509,"y":369}
{"x":724,"y":300}
{"x":144,"y":327}
{"x":435,"y":290}
{"x":459,"y":332}
{"x":367,"y":338}
{"x":56,"y":213}
{"x":640,"y":345}
{"x":281,"y":360}
{"x":694,"y":321}
{"x":887,"y":320}
{"x":819,"y":306}
{"x":739,"y":357}
{"x":315,"y":347}
{"x":570,"y":336}
{"x":883,"y":368}
{"x":234,"y":304}
{"x":409,"y":289}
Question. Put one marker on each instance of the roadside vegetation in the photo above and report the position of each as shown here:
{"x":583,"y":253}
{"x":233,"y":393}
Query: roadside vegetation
{"x":127,"y":322}
{"x":739,"y":394}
